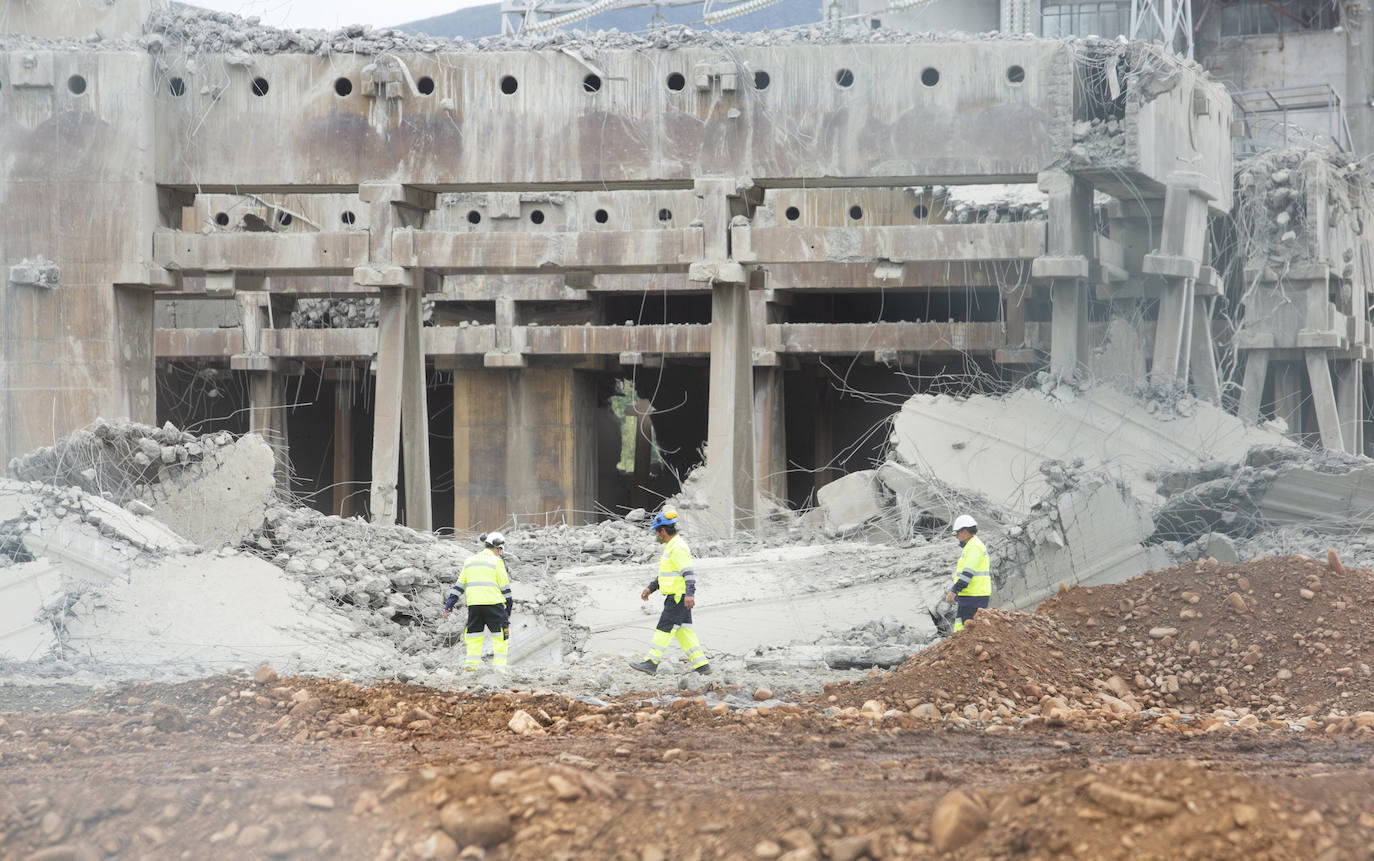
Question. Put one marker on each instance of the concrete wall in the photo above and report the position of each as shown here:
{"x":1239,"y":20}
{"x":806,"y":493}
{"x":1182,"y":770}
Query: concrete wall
{"x":76,"y":191}
{"x":803,"y":126}
{"x":113,"y":19}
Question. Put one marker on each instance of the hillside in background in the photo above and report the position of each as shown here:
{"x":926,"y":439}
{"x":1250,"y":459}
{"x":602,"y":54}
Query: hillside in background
{"x":485,"y":20}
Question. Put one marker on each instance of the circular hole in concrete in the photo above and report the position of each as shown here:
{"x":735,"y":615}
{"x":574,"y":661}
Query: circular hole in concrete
{"x":1016,"y":74}
{"x":348,"y":217}
{"x":222,"y":219}
{"x":343,"y":86}
{"x":509,"y":85}
{"x":676,"y":82}
{"x":76,"y":84}
{"x":665,"y":215}
{"x":856,"y":212}
{"x":792,"y":213}
{"x":920,"y":211}
{"x":474,"y":217}
{"x":601,"y":216}
{"x":930,"y":76}
{"x":284,"y":218}
{"x":425,"y":85}
{"x":177,"y":87}
{"x":259,"y":86}
{"x":591,"y":84}
{"x":537,"y":216}
{"x":761,"y":80}
{"x":844,"y":78}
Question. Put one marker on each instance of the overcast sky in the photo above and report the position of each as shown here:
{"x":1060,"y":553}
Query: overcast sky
{"x":336,"y":13}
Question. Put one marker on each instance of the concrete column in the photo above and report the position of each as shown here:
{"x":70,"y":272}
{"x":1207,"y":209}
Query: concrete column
{"x":524,"y":447}
{"x":1206,"y":380}
{"x":343,"y":444}
{"x":401,"y":419}
{"x":1069,"y":349}
{"x":1182,"y":240}
{"x":1252,"y":391}
{"x":771,"y":439}
{"x":386,"y":422}
{"x":730,"y":423}
{"x":1288,"y":396}
{"x":1065,"y":267}
{"x":415,"y":419}
{"x":1324,"y":401}
{"x":267,"y":417}
{"x":1349,"y":400}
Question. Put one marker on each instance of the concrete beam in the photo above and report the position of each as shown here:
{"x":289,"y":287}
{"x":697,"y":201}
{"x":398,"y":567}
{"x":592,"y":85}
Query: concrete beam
{"x":275,"y":253}
{"x":931,"y":242}
{"x":1324,"y":401}
{"x":609,"y":250}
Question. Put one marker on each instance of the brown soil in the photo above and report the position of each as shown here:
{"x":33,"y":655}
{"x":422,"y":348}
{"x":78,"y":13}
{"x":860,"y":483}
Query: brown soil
{"x":308,"y":768}
{"x":1287,"y":639}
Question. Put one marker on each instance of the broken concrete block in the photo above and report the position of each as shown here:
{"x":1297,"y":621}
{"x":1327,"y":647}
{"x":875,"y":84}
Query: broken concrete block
{"x":851,"y":501}
{"x":1219,"y":547}
{"x":35,"y":273}
{"x":220,"y":499}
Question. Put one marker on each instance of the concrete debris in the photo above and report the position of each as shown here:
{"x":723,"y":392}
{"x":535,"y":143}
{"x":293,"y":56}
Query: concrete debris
{"x":993,"y":447}
{"x":851,"y":501}
{"x":1274,"y":191}
{"x":1320,"y":490}
{"x":1089,"y":534}
{"x":212,"y":490}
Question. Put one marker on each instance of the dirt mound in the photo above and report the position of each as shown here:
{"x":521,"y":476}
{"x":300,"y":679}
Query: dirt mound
{"x":1280,"y":638}
{"x":1166,"y":810}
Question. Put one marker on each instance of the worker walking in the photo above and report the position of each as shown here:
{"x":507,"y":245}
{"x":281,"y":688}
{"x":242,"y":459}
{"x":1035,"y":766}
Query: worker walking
{"x":678,"y":583}
{"x":972,"y":589}
{"x":485,"y":584}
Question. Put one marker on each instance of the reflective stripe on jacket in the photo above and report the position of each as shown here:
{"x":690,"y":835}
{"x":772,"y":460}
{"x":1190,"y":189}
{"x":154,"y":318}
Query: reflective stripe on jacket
{"x":974,"y":567}
{"x":674,"y":566}
{"x":484,"y":579}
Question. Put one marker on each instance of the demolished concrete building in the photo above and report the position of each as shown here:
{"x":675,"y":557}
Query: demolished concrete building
{"x":689,"y":217}
{"x":359,"y":256}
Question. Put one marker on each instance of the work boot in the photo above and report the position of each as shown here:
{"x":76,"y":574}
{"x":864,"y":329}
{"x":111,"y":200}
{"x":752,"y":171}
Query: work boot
{"x":704,"y":669}
{"x":649,"y":667}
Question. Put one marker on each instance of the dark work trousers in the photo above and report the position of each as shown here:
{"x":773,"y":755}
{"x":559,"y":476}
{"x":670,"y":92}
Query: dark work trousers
{"x":675,"y":613}
{"x":492,"y":617}
{"x":969,"y":606}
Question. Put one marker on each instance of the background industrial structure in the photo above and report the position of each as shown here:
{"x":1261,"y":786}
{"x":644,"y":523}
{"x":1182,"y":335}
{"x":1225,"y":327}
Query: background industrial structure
{"x":761,"y":245}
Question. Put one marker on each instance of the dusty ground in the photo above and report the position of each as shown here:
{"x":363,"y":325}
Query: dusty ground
{"x":1048,"y":735}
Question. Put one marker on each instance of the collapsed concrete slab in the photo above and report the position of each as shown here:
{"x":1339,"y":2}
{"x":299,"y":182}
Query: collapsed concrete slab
{"x":207,"y":614}
{"x":28,"y":591}
{"x":1090,"y":535}
{"x":770,"y":597}
{"x":993,"y":447}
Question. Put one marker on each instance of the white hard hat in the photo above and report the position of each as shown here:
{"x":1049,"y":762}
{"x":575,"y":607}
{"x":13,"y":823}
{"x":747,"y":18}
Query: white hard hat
{"x":963,"y":521}
{"x":493,"y":539}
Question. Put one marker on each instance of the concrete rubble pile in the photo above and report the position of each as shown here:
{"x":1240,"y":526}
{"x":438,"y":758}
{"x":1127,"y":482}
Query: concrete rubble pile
{"x":100,"y":587}
{"x":211,"y":490}
{"x":345,"y":313}
{"x":1282,"y":501}
{"x":1273,"y":196}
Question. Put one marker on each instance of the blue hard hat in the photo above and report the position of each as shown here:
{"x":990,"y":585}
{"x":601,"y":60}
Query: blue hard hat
{"x":666,"y":517}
